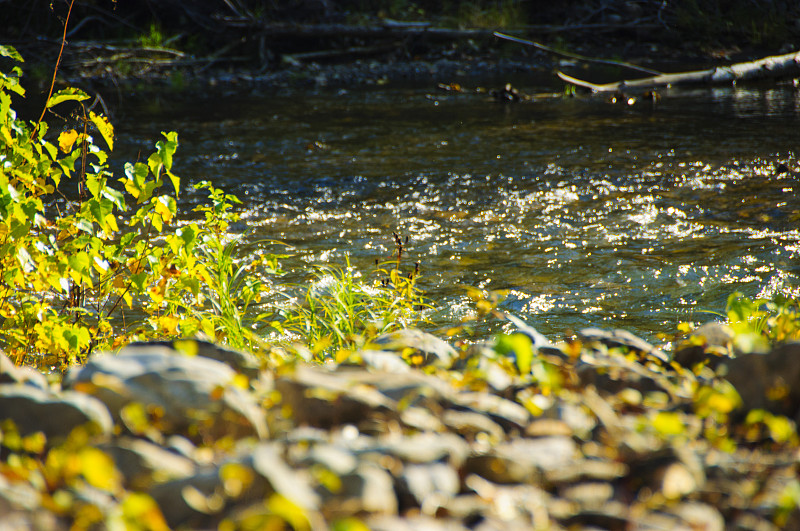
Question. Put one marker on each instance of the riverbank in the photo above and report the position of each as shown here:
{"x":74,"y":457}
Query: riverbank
{"x":133,"y":49}
{"x":512,"y":433}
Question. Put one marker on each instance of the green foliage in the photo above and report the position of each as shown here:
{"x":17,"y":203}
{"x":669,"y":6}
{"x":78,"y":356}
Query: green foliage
{"x":777,"y":427}
{"x":757,"y":324}
{"x":77,"y":271}
{"x":340,"y":311}
{"x":231,"y":286}
{"x":154,"y":37}
{"x":497,"y":14}
{"x":761,"y":322}
{"x":528,"y":361}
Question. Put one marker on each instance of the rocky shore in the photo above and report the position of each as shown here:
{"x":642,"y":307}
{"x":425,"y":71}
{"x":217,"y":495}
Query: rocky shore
{"x":607,"y":432}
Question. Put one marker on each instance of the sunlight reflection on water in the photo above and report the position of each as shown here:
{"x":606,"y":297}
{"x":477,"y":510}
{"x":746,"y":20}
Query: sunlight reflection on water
{"x":593,"y":214}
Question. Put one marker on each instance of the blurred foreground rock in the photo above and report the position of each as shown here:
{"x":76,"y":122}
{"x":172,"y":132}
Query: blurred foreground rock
{"x":410,"y":434}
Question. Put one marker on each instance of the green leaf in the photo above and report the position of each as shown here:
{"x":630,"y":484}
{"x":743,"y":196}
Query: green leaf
{"x":518,"y":345}
{"x":115,"y":196}
{"x":77,"y":337}
{"x":11,"y":83}
{"x":10,"y":51}
{"x":80,"y":262}
{"x":158,"y":222}
{"x":25,"y":260}
{"x":139,"y":280}
{"x":176,"y":182}
{"x":126,"y":239}
{"x":50,"y":148}
{"x":98,"y":210}
{"x":189,"y":236}
{"x":67,"y":94}
{"x":94,"y":184}
{"x":167,"y":148}
{"x":85,"y":225}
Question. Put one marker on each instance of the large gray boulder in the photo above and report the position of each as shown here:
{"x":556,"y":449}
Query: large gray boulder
{"x":185,"y":391}
{"x":238,"y":360}
{"x":55,"y":414}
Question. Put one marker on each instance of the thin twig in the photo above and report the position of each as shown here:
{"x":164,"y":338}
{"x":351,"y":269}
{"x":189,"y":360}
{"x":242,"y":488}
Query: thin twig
{"x":55,"y":71}
{"x":576,"y":56}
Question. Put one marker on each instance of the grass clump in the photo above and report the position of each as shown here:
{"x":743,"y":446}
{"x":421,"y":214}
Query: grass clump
{"x":340,"y":310}
{"x":768,"y":321}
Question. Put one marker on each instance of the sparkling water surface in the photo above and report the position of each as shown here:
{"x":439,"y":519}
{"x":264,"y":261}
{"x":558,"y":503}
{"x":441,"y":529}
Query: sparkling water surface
{"x":586,"y":213}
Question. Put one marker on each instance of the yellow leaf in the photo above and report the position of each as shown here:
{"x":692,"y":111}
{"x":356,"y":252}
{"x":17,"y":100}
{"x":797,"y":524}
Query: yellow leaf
{"x":162,"y":208}
{"x":34,"y":443}
{"x":168,"y":324}
{"x":342,"y":355}
{"x":668,"y":423}
{"x":187,"y":347}
{"x":241,"y":381}
{"x":780,"y":428}
{"x":350,"y":524}
{"x":142,"y":512}
{"x":135,"y":417}
{"x":722,"y":403}
{"x":217,"y":393}
{"x":98,"y":469}
{"x":135,"y":265}
{"x":235,"y":478}
{"x":105,"y":128}
{"x":67,"y":139}
{"x":111,"y":221}
{"x":208,"y":327}
{"x":67,"y":94}
{"x":289,"y":511}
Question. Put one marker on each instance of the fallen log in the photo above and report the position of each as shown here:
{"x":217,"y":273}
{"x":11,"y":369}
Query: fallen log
{"x":395,"y":28}
{"x":773,"y":67}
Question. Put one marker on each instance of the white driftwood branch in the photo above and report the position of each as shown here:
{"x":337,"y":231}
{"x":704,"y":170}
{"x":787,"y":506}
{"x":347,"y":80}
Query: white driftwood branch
{"x":776,"y":66}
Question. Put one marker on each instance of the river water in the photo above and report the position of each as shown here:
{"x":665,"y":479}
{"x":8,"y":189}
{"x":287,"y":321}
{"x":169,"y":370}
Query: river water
{"x":586,"y":212}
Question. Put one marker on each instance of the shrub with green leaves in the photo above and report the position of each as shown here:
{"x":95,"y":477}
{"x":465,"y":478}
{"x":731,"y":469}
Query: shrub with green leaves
{"x":101,"y":266}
